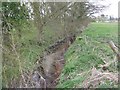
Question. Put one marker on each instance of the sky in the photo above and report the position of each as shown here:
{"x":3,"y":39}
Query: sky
{"x":112,"y":10}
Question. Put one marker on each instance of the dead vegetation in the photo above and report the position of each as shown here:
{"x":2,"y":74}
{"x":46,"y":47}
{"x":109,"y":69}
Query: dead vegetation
{"x":97,"y":77}
{"x":100,"y":76}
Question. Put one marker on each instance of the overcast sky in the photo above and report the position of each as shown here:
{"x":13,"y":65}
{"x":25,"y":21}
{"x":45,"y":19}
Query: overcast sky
{"x":112,"y":10}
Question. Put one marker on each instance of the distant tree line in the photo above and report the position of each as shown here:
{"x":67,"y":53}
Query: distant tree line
{"x":105,"y":18}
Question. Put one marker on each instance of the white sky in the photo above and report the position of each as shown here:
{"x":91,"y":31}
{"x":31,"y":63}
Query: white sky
{"x":112,"y":10}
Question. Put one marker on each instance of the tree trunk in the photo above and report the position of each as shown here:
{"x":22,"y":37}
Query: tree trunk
{"x":38,"y":20}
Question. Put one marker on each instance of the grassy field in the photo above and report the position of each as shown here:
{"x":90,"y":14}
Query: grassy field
{"x":90,"y":49}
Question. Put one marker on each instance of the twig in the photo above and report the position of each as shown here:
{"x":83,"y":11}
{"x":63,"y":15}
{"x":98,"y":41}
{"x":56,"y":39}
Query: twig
{"x":18,"y":57}
{"x":107,"y":64}
{"x":4,"y":49}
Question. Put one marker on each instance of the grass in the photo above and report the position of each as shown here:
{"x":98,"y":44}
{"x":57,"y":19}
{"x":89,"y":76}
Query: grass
{"x":28,"y":50}
{"x":88,"y":50}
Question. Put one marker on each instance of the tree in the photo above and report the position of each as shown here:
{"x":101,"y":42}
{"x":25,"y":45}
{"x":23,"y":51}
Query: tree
{"x":61,"y":19}
{"x":70,"y":14}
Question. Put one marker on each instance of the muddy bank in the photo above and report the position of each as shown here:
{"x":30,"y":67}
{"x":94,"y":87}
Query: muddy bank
{"x":51,"y":64}
{"x":47,"y":68}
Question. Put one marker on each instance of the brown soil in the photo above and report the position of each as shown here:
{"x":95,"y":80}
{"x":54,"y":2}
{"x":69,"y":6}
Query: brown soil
{"x":48,"y":67}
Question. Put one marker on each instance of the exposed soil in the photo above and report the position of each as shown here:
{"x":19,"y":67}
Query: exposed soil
{"x":52,"y":64}
{"x":48,"y":68}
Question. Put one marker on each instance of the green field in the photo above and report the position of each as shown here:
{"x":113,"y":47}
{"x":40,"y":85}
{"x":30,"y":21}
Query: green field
{"x":89,"y":49}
